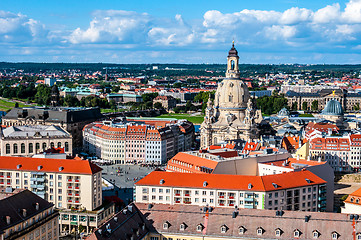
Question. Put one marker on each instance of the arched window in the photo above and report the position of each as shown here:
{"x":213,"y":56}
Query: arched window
{"x":31,"y":150}
{"x":22,"y":148}
{"x":44,"y":146}
{"x":214,"y":140}
{"x":15,"y":148}
{"x":7,"y":148}
{"x":232,"y":65}
{"x":37,"y":146}
{"x":230,"y":98}
{"x":52,"y":144}
{"x":66,"y":146}
{"x":59,"y":144}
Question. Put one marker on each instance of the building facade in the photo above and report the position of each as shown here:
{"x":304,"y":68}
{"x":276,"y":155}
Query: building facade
{"x":25,"y":141}
{"x":232,"y":116}
{"x":301,"y":190}
{"x":168,"y":102}
{"x":349,"y":101}
{"x":72,"y":120}
{"x":342,"y":153}
{"x":26,"y":216}
{"x":136,"y":142}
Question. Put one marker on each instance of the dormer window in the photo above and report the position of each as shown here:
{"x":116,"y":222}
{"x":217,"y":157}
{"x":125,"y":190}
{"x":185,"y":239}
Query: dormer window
{"x":166,"y":225}
{"x":278,"y":232}
{"x":351,"y":199}
{"x":335,"y":235}
{"x":357,"y":200}
{"x":315,"y":234}
{"x":260,"y":231}
{"x":242,"y":230}
{"x":224,"y":229}
{"x":250,"y":186}
{"x":296,"y":233}
{"x":358,"y":236}
{"x":182,"y":226}
{"x":199,"y":227}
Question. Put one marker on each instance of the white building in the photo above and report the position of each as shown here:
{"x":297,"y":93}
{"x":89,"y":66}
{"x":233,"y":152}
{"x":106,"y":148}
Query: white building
{"x":301,"y":190}
{"x":25,"y":141}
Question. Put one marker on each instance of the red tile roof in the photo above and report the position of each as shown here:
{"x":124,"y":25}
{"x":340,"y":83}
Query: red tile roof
{"x":234,"y":182}
{"x":49,"y":165}
{"x":353,"y":196}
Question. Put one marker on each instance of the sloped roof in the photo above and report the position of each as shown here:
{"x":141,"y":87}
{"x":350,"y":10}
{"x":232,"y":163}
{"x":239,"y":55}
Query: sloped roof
{"x":231,"y":182}
{"x":49,"y":165}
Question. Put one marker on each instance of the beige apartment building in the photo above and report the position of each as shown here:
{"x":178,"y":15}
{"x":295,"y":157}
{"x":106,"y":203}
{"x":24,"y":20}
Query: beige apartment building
{"x":25,"y":141}
{"x":26,"y":216}
{"x":70,"y":184}
{"x":298,"y":191}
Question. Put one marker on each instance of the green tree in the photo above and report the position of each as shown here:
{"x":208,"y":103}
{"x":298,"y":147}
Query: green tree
{"x":43,"y":94}
{"x":71,"y":101}
{"x":148,"y":97}
{"x":16,"y":105}
{"x":314,"y":105}
{"x":356,"y":107}
{"x":294,"y":106}
{"x":158,"y":105}
{"x":113,"y":105}
{"x":304,"y":106}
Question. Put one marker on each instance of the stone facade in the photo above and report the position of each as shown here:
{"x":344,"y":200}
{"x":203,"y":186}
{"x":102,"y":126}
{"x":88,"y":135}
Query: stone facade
{"x":349,"y":101}
{"x":233,"y":115}
{"x":25,"y":141}
{"x":71,"y":119}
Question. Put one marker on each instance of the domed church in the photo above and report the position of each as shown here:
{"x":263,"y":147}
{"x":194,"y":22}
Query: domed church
{"x":233,"y":115}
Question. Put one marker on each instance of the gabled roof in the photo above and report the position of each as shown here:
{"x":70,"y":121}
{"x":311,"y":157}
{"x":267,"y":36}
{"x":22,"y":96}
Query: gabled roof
{"x":231,"y":182}
{"x":48,"y":165}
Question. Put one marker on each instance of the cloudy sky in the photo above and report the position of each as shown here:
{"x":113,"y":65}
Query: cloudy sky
{"x":182,"y":31}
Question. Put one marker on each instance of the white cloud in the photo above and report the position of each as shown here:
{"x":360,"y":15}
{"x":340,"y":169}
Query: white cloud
{"x":352,"y":13}
{"x":276,"y":32}
{"x":327,"y":14}
{"x":295,"y":15}
{"x":113,"y":26}
{"x":19,"y":28}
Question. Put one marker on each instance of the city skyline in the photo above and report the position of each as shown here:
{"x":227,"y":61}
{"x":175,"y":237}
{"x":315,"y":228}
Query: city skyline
{"x":181,"y":32}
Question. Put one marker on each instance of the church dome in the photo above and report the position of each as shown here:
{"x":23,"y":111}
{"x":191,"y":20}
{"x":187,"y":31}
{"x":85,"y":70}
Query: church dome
{"x":233,"y":51}
{"x":333,"y":107}
{"x":232,"y":94}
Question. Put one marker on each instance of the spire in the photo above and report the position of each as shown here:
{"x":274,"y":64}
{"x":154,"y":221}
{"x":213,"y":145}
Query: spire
{"x":233,"y":52}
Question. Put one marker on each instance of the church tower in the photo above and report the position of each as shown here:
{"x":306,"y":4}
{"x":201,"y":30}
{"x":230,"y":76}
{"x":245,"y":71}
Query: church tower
{"x":232,"y":63}
{"x":54,"y":96}
{"x":232,"y":116}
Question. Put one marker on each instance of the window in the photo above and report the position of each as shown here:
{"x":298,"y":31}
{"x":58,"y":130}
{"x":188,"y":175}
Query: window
{"x":259,"y":231}
{"x":166,"y":225}
{"x":182,"y":226}
{"x":334,"y":235}
{"x":224,"y":229}
{"x":52,"y":144}
{"x":278,"y":232}
{"x":7,"y":148}
{"x":15,"y":148}
{"x":31,"y":150}
{"x":296,"y":233}
{"x":59,"y":184}
{"x":66,"y":146}
{"x":59,"y":144}
{"x":59,"y":177}
{"x":37,"y":146}
{"x":204,"y":200}
{"x":22,"y":148}
{"x":241,"y":230}
{"x":44,"y":146}
{"x":60,"y":198}
{"x":199,"y":227}
{"x":204,"y":193}
{"x":196,"y":192}
{"x":315,"y":234}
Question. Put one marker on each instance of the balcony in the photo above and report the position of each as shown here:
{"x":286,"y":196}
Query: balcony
{"x":70,"y":187}
{"x":8,"y":176}
{"x":177,"y":201}
{"x":187,"y":194}
{"x":248,"y":199}
{"x":77,"y":188}
{"x":248,"y":206}
{"x":231,"y":204}
{"x":70,"y":201}
{"x":231,"y":197}
{"x":77,"y":180}
{"x":177,"y":194}
{"x":76,"y":202}
{"x":70,"y":194}
{"x":37,"y":179}
{"x":77,"y":195}
{"x":221,"y":204}
{"x":221,"y":196}
{"x":70,"y":180}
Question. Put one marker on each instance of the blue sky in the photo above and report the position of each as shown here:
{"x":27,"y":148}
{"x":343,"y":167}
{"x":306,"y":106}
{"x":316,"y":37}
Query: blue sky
{"x":168,"y":31}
